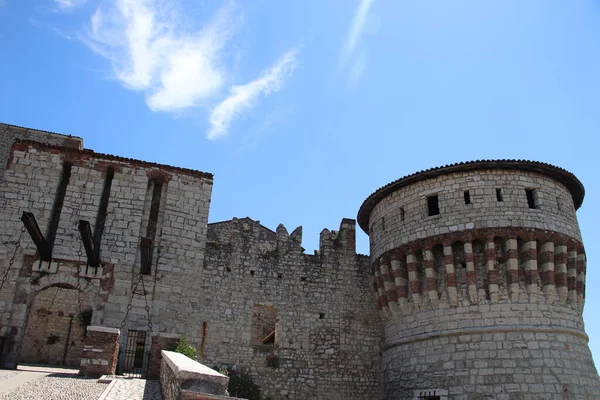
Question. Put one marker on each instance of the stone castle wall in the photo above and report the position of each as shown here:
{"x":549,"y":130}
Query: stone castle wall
{"x":223,"y":286}
{"x":327,"y":331}
{"x":55,"y":330}
{"x":179,"y":224}
{"x":482,"y":299}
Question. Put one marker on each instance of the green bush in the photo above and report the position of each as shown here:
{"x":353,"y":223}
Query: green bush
{"x":186,"y":349}
{"x":242,"y":385}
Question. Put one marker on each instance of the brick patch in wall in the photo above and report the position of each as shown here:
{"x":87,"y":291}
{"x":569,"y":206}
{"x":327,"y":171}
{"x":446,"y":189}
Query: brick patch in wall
{"x":100,"y":351}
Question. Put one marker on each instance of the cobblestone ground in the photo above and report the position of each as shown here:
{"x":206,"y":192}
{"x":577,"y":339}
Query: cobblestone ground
{"x":65,"y":384}
{"x":6,"y":374}
{"x":56,"y":387}
{"x":134,"y":389}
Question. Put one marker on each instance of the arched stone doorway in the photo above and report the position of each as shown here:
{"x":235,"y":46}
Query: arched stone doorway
{"x":56,"y":326}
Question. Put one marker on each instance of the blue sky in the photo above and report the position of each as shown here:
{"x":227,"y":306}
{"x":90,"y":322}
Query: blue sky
{"x":302,"y":109}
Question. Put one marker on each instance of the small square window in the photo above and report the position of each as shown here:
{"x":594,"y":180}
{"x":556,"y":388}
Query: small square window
{"x":530,"y":193}
{"x":499,"y":195}
{"x":467,"y":197}
{"x":433,"y":205}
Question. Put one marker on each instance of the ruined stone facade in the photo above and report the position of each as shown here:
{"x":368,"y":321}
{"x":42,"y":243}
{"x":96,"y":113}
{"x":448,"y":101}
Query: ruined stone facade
{"x":480,"y":299}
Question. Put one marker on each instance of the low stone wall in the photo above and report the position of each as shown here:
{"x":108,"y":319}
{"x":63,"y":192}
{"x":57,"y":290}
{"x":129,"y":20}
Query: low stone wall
{"x":100,"y":351}
{"x":160,"y":342}
{"x":182,"y":378}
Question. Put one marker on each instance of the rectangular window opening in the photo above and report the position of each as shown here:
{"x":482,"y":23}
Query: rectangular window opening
{"x":402,"y":214}
{"x":499,"y":195}
{"x":383,"y":223}
{"x":467,"y":196}
{"x":264,"y":320}
{"x":433,"y":205}
{"x":530,"y":193}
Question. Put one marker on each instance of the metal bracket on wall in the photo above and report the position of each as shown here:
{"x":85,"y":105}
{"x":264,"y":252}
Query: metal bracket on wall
{"x":37,"y":236}
{"x":88,"y":243}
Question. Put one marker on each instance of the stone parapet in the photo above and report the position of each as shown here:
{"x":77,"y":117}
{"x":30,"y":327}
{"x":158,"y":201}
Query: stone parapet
{"x":100,"y":351}
{"x":160,"y":342}
{"x":182,"y":378}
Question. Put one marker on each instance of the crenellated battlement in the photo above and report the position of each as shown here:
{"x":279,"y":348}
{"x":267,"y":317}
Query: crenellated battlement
{"x":243,"y":232}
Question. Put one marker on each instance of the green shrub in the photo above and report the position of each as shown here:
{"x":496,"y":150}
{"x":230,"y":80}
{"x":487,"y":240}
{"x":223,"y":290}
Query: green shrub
{"x":186,"y":349}
{"x":242,"y":385}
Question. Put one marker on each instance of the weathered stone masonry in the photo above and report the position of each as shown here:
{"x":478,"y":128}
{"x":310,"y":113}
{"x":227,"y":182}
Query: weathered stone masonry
{"x":30,"y":184}
{"x":205,"y":281}
{"x":324,"y":318}
{"x":479,"y":272}
{"x":474,"y":287}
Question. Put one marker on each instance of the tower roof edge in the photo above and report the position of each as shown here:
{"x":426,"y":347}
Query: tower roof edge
{"x":562,"y":175}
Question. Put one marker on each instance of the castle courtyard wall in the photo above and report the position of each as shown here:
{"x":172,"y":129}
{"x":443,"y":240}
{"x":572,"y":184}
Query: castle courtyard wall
{"x":327,"y":330}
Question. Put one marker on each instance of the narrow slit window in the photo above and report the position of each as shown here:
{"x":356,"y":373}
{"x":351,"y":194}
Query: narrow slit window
{"x":467,"y":197}
{"x":433,"y":205}
{"x":499,"y":195}
{"x":402,"y":214}
{"x":530,"y":193}
{"x":383,"y":223}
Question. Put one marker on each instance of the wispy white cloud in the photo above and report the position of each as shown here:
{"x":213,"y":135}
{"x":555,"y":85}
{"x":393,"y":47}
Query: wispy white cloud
{"x":242,"y":97}
{"x":356,"y":30}
{"x":176,"y":68}
{"x":357,"y":68}
{"x":151,"y":52}
{"x":68,"y":4}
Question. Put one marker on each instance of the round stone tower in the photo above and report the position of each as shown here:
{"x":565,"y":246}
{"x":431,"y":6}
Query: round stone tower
{"x":479,"y":271}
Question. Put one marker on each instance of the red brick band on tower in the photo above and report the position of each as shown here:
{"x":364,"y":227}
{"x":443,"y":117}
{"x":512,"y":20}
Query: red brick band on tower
{"x":450,"y":274}
{"x":471,"y":275}
{"x":400,"y":273}
{"x":397,"y":281}
{"x":512,"y":252}
{"x":490,"y":258}
{"x":572,"y":277}
{"x":580,"y":278}
{"x":413,"y":279}
{"x":531,"y":271}
{"x":547,"y":275}
{"x":389,"y":286}
{"x":560,"y":276}
{"x":430,"y":275}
